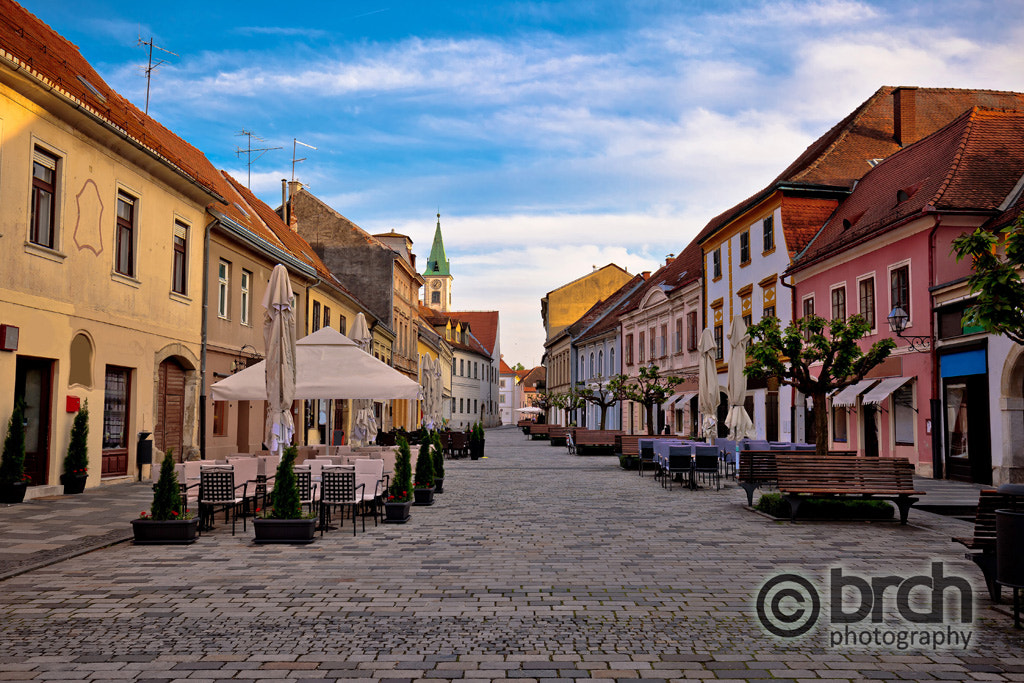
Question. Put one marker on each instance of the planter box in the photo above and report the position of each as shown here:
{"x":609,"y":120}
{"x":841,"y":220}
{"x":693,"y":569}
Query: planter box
{"x":284,"y":530}
{"x":423,"y":496}
{"x":397,"y":513}
{"x":73,"y":483}
{"x":438,"y":484}
{"x":170,"y":532}
{"x":11,"y":494}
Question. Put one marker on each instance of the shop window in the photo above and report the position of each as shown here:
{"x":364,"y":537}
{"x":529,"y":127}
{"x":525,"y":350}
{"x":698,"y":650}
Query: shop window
{"x":839,"y":424}
{"x":220,"y":418}
{"x":903,"y":415}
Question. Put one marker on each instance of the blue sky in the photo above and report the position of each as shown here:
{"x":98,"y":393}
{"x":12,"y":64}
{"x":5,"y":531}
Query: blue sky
{"x":552,"y":136}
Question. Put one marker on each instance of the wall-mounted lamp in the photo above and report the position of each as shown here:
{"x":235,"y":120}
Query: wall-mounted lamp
{"x":898,"y":322}
{"x":244,"y":360}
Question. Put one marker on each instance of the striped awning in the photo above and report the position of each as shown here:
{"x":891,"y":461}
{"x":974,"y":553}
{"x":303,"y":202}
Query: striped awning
{"x":884,"y":388}
{"x":848,"y":396}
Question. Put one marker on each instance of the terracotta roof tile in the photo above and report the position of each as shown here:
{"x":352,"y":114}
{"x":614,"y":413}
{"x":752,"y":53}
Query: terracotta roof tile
{"x":483,"y":324}
{"x":803,"y":218}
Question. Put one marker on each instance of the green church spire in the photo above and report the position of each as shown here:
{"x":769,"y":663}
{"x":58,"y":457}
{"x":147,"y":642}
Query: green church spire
{"x":437,"y":264}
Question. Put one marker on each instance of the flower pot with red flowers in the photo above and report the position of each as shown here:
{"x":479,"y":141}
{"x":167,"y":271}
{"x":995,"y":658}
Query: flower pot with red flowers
{"x":399,"y":498}
{"x":13,"y":480}
{"x":285,"y":522}
{"x":423,"y":490}
{"x":167,"y":522}
{"x":76,"y":462}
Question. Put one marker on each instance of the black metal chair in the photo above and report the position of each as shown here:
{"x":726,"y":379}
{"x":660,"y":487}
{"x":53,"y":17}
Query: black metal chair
{"x":217,"y":492}
{"x":680,"y":462}
{"x":307,"y":488}
{"x":705,"y":465}
{"x":339,"y":489}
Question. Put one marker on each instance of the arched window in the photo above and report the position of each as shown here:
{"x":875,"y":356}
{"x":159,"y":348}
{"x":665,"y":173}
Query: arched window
{"x":583,"y":367}
{"x":600,"y":363}
{"x":81,"y":361}
{"x":611,"y":362}
{"x":591,"y":363}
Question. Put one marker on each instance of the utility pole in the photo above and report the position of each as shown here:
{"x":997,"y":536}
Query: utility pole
{"x":248,"y":152}
{"x":151,"y":66}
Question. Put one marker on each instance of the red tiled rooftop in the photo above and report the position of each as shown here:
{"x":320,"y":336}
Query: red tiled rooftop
{"x":484,"y":325}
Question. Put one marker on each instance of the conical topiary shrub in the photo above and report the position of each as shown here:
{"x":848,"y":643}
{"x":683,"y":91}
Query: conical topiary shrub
{"x":168,"y":522}
{"x":76,"y":461}
{"x":400,"y":490}
{"x":437,"y":451}
{"x":12,"y":460}
{"x":424,"y":477}
{"x":166,"y":493}
{"x":287,"y":504}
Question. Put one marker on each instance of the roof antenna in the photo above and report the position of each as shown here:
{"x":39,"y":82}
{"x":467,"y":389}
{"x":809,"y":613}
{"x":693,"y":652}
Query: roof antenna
{"x":149,"y":69}
{"x":248,"y":152}
{"x":294,"y":160}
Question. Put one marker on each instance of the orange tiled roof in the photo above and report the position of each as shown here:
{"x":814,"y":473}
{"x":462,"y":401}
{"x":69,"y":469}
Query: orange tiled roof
{"x":970,"y":165}
{"x":51,"y":58}
{"x":504,"y":368}
{"x":484,"y":325}
{"x":803,"y":218}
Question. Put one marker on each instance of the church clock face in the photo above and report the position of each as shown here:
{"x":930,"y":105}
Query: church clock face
{"x":436,"y":284}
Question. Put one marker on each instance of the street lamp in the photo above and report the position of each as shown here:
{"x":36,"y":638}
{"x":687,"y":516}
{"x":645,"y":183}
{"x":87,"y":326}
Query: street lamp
{"x":898,"y":322}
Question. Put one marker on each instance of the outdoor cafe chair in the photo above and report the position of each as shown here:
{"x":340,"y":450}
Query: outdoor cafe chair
{"x":370,"y":475}
{"x":339,"y":489}
{"x":678,"y":460}
{"x":705,"y":465}
{"x":217,"y":491}
{"x":307,"y":487}
{"x":247,"y":479}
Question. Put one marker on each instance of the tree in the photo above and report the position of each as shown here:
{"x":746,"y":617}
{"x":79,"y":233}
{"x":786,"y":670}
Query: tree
{"x":604,"y":393}
{"x":167,"y":503}
{"x":995,"y":279}
{"x":649,"y":389}
{"x":424,"y":478}
{"x":12,"y":460}
{"x":76,"y":461}
{"x":830,"y":346}
{"x":287,"y":504}
{"x":518,"y":367}
{"x":400,"y":490}
{"x":542,"y":400}
{"x":568,"y":401}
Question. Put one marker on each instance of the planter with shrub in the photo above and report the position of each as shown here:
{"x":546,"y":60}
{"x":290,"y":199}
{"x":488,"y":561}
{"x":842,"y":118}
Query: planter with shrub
{"x":76,"y":461}
{"x":167,"y":522}
{"x":13,"y":480}
{"x":423,"y":489}
{"x":285,"y":521}
{"x":775,"y":505}
{"x":437,"y":451}
{"x":399,"y":499}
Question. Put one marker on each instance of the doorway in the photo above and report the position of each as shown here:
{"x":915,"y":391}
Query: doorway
{"x":33,"y":383}
{"x":968,"y":448}
{"x":870,"y":414}
{"x":170,"y":418}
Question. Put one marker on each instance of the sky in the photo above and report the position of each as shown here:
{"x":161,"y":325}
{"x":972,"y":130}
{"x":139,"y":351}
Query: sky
{"x":553,"y":137}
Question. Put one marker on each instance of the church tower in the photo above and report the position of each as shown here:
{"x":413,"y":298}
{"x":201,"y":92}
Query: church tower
{"x":438,"y":291}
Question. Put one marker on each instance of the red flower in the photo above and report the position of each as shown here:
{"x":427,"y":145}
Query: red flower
{"x":174,"y":512}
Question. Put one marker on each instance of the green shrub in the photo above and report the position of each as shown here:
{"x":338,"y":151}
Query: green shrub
{"x":826,"y":508}
{"x":400,"y":490}
{"x":628,"y":462}
{"x":287,"y":504}
{"x":166,"y":493}
{"x":438,"y":451}
{"x":77,"y":459}
{"x":424,"y":467}
{"x":12,"y":461}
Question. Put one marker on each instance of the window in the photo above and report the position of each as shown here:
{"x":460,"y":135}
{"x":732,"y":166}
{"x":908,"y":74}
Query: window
{"x":600,"y":363}
{"x":744,"y":247}
{"x":900,"y":280}
{"x":903,"y":415}
{"x":839,"y":303}
{"x":719,"y":343}
{"x":691,"y":331}
{"x":116,"y":397}
{"x":866,"y":289}
{"x":748,"y":319}
{"x":44,"y":198}
{"x":342,"y":322}
{"x":316,"y":316}
{"x":223,"y":280}
{"x":768,"y":225}
{"x":179,"y":274}
{"x":629,"y":349}
{"x":462,"y":370}
{"x":679,"y":335}
{"x":716,"y":263}
{"x":124,"y":242}
{"x":769,"y":312}
{"x":839,"y":423}
{"x":653,"y":340}
{"x":591,"y":365}
{"x":808,"y":311}
{"x":611,"y":362}
{"x":220,"y":418}
{"x":327,"y":316}
{"x":664,"y":341}
{"x":246,"y":303}
{"x":435,"y":297}
{"x":461,"y":406}
{"x":641,"y":339}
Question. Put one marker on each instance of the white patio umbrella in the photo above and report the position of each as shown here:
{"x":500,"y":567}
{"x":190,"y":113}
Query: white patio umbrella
{"x":531,"y":410}
{"x":707,"y":385}
{"x":364,"y":427}
{"x":738,"y":421}
{"x":279,"y":367}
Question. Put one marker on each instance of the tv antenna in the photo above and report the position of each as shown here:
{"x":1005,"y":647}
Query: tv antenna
{"x":248,"y":153}
{"x":295,"y":144}
{"x":149,"y":69}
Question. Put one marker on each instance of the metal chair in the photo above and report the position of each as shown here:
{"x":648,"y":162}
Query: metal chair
{"x":339,"y":489}
{"x":370,"y":475}
{"x":217,"y":491}
{"x":307,"y":489}
{"x":705,"y":465}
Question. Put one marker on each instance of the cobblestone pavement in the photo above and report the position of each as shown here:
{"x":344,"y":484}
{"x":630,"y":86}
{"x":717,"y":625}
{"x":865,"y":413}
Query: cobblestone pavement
{"x":533,"y":565}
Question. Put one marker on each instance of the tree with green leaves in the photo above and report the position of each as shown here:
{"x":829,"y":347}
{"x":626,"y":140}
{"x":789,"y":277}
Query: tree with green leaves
{"x":400,"y":490}
{"x":76,"y":461}
{"x":167,"y":503}
{"x":12,"y":459}
{"x":816,"y":357}
{"x":287,"y":504}
{"x":424,"y":467}
{"x":604,"y":393}
{"x":542,"y":400}
{"x":649,"y":388}
{"x":995,"y":279}
{"x":568,"y":401}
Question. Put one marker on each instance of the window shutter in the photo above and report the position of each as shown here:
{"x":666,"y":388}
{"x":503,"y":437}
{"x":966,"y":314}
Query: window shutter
{"x":44,"y":159}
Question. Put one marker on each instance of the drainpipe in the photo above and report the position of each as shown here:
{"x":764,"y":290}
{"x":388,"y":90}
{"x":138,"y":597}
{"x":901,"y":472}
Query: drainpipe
{"x":202,"y":352}
{"x":935,"y":401}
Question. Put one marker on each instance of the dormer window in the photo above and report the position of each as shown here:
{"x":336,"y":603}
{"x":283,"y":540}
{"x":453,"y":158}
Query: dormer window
{"x":902,"y":196}
{"x":846,"y":224}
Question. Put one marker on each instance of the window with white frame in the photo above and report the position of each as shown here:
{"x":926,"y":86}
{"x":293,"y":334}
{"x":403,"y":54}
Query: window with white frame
{"x":179,"y":267}
{"x":899,"y":279}
{"x":223,"y":294}
{"x":43,"y":229}
{"x":866,"y":297}
{"x":243,"y":314}
{"x":839,"y":303}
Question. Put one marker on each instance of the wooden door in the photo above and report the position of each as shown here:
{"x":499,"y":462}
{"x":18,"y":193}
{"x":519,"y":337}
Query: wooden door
{"x":33,"y":383}
{"x":170,"y":416}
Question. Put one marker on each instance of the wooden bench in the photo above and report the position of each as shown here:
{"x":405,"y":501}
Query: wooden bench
{"x":595,"y":441}
{"x":757,"y":468}
{"x":807,"y":475}
{"x":557,"y":435}
{"x":539,"y":432}
{"x":525,"y":426}
{"x":629,"y":444}
{"x":984,"y":538}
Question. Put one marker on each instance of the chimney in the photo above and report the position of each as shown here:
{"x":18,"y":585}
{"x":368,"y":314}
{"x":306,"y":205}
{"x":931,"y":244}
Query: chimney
{"x":646,"y":274}
{"x":904,"y":115}
{"x":293,"y":187}
{"x":669,"y":259}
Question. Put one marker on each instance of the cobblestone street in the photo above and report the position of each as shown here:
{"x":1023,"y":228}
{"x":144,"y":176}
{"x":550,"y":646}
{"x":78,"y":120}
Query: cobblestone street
{"x":534,"y":564}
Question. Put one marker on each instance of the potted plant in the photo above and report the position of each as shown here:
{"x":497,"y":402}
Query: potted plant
{"x":167,"y":522}
{"x":423,"y":489}
{"x":438,"y":461}
{"x":76,"y":462}
{"x":13,"y":480}
{"x":285,"y":522}
{"x":476,"y":441}
{"x":399,"y":499}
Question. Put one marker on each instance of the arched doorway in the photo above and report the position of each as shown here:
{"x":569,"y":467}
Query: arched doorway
{"x":170,"y":410}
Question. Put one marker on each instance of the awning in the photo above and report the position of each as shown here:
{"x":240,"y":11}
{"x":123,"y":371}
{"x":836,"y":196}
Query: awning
{"x":681,"y":397}
{"x":884,"y":388}
{"x":848,"y":396}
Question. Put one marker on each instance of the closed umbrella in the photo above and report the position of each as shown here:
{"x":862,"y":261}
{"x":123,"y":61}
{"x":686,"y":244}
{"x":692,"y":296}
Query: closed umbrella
{"x":364,"y":427}
{"x":279,"y":339}
{"x":738,"y":421}
{"x":707,"y":386}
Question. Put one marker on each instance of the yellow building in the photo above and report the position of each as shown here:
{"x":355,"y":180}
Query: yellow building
{"x":102,"y":218}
